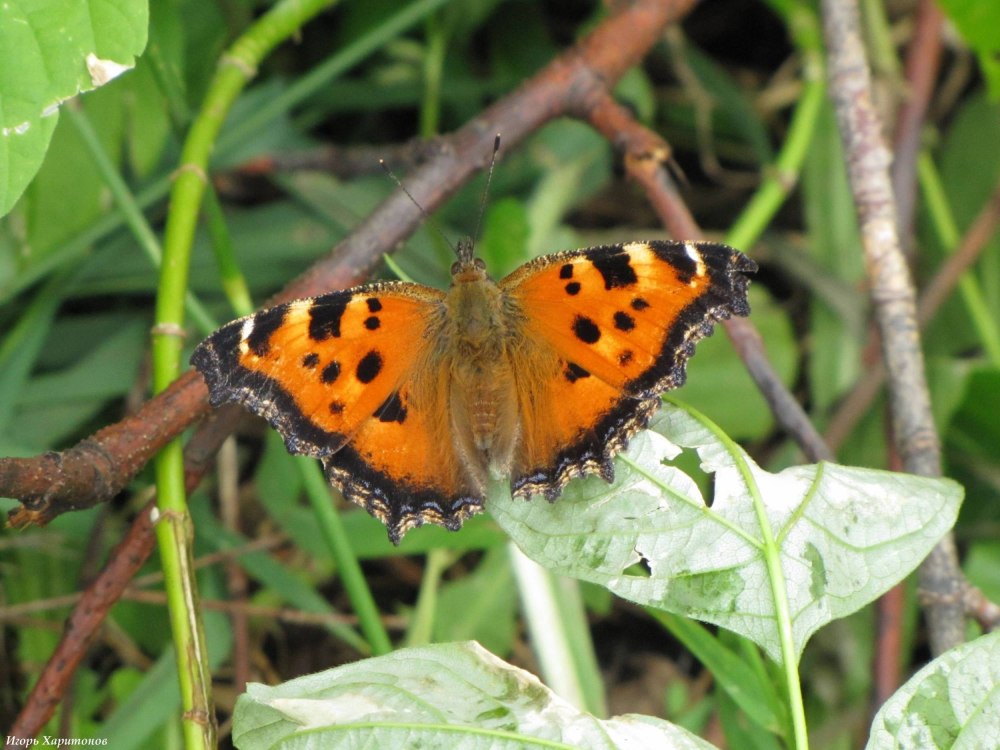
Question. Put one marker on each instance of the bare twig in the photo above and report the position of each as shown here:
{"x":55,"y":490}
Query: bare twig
{"x":894,"y":297}
{"x":923,"y":60}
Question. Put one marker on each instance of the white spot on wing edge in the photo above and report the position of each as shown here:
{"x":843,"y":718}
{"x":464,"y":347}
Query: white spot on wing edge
{"x":694,"y":254}
{"x":102,"y":71}
{"x":245,"y":331}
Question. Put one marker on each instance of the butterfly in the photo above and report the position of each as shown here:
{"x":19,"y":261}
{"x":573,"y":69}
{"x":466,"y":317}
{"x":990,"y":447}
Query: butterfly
{"x":413,"y":398}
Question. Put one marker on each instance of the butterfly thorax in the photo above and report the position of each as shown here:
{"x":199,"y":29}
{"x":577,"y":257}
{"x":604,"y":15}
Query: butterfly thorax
{"x":483,"y":398}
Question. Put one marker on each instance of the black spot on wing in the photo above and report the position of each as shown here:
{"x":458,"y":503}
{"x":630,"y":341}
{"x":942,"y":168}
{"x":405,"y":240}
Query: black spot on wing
{"x":566,"y":272}
{"x":624,"y":321}
{"x":626,"y":357}
{"x":310,"y":360}
{"x":369,"y":367}
{"x":372,"y":322}
{"x":574,"y":372}
{"x":614,"y":265}
{"x":373,"y":304}
{"x":573,"y":288}
{"x":586,"y":330}
{"x":264,"y":325}
{"x":330,"y":373}
{"x":336,"y":407}
{"x":392,"y":410}
{"x":639,"y":304}
{"x":217,"y":358}
{"x":325,"y":315}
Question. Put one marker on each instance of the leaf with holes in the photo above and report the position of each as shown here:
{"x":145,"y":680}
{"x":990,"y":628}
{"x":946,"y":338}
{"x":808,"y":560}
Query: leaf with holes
{"x":798,"y":548}
{"x":48,"y":53}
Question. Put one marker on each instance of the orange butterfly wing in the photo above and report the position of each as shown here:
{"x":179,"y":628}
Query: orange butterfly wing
{"x":607,"y":329}
{"x":352,"y":378}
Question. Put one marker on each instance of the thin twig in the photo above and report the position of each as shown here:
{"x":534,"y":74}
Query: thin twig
{"x":894,"y":298}
{"x":923,"y":59}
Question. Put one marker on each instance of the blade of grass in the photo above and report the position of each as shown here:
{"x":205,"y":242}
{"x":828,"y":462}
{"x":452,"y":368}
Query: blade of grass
{"x":422,"y":623}
{"x":23,"y":342}
{"x":348,"y":567}
{"x":753,"y":695}
{"x":132,"y":213}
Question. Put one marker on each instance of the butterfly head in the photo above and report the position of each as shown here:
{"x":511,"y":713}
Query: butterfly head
{"x":468,"y":267}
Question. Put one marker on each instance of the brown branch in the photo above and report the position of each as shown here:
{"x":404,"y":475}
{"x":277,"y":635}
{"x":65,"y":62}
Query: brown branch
{"x":83,"y":626}
{"x":894,"y":298}
{"x":986,"y":612}
{"x":97,"y":469}
{"x":101,"y":466}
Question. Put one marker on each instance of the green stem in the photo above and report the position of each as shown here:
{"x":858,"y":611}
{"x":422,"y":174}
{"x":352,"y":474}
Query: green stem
{"x":234,"y":283}
{"x":174,"y":531}
{"x":771,"y":551}
{"x":422,"y":625}
{"x":348,"y":567}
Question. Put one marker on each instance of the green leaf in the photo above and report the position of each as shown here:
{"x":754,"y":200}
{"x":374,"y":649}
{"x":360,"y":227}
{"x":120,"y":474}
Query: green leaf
{"x":979,"y":24}
{"x":953,"y":702}
{"x":841,"y":536}
{"x":442,"y":696}
{"x":48,"y":53}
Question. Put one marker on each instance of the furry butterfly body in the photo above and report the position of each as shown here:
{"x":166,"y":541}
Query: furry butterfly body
{"x":413,"y":397}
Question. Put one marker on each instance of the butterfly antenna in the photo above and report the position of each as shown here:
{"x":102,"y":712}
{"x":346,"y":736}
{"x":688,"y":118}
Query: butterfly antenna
{"x":427,"y":219}
{"x":486,"y":190}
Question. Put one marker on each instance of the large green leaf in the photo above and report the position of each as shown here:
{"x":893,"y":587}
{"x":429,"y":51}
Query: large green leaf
{"x":837,"y":537}
{"x":50,"y":51}
{"x":442,"y":696}
{"x":953,"y":702}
